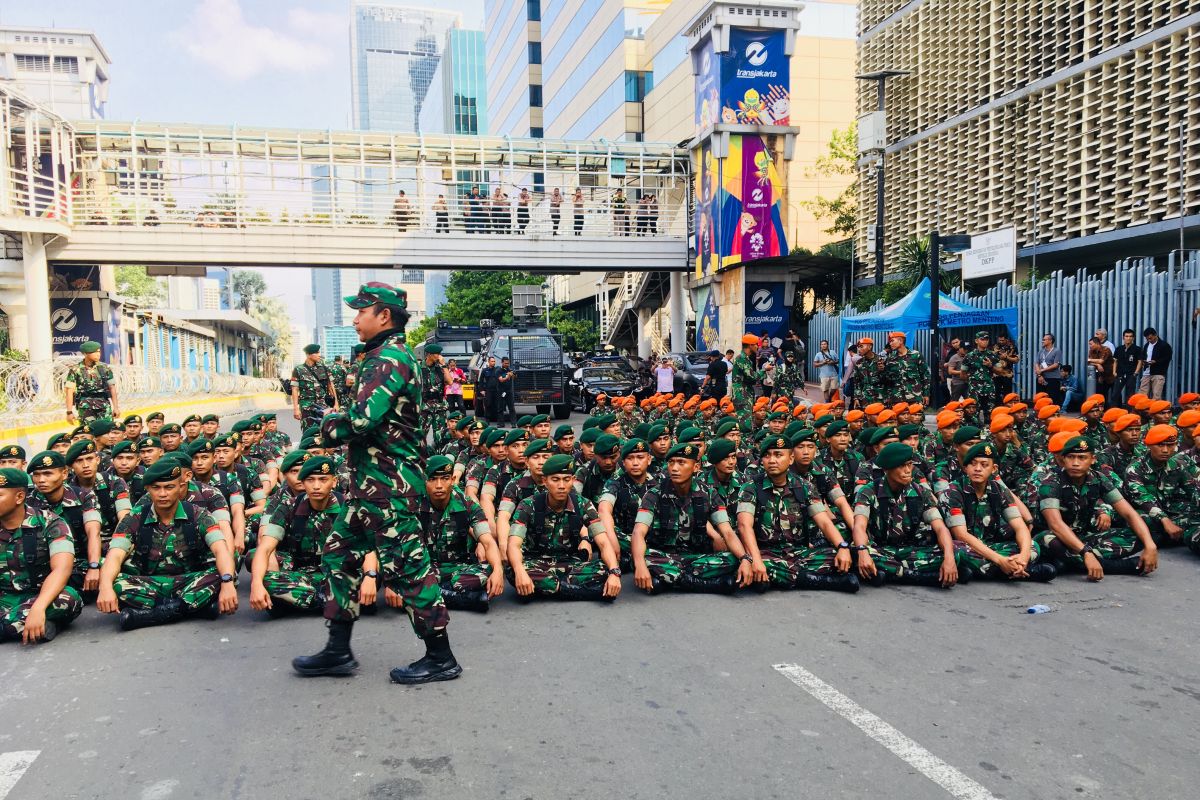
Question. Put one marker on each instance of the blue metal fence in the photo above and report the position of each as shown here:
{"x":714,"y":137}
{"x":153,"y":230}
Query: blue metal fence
{"x":1132,"y":295}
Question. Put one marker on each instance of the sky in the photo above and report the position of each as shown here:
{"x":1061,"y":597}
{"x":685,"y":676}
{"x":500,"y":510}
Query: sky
{"x":279,"y":63}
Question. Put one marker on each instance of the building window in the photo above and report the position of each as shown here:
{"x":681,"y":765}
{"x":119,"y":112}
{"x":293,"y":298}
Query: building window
{"x":637,"y":85}
{"x":63,"y":65}
{"x":533,"y":10}
{"x":535,"y":95}
{"x":536,"y":133}
{"x":535,"y":52}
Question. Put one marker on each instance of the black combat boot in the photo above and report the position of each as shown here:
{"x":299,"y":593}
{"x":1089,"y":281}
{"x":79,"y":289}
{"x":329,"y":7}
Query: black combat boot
{"x":458,"y":600}
{"x":438,"y":663}
{"x":164,"y":613}
{"x":1121,"y":566}
{"x":726,"y":584}
{"x":210,"y":610}
{"x":933,"y":579}
{"x":279,"y":609}
{"x":829,"y":582}
{"x":1042,"y":572}
{"x":571,"y":591}
{"x":335,"y":659}
{"x":50,"y":631}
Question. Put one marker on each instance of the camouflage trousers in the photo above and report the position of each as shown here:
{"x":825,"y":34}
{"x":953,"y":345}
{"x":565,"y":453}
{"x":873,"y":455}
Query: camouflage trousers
{"x":549,"y":574}
{"x":195,"y":589}
{"x":90,"y":408}
{"x":433,"y":418}
{"x":1112,"y":543}
{"x":786,"y":564}
{"x":670,"y":569}
{"x":900,"y":560}
{"x":297,"y":587}
{"x":15,"y":607}
{"x":312,"y":415}
{"x":1185,"y":520}
{"x":464,"y":577}
{"x":980,"y":567}
{"x":393,"y":531}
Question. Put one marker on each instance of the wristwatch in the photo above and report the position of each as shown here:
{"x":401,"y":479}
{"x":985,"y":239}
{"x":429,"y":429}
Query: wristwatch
{"x":371,"y":573}
{"x":843,"y":545}
{"x":93,"y":565}
{"x":747,"y":558}
{"x":227,"y":578}
{"x":615,"y":571}
{"x":1087,"y":548}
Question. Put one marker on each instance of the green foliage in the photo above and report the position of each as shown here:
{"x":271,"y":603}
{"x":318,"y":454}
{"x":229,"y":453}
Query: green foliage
{"x":134,"y":284}
{"x":417,"y":333}
{"x":273,"y":315}
{"x":912,"y":265}
{"x":248,"y":285}
{"x":472,"y":295}
{"x":841,"y":212}
{"x":578,"y":334}
{"x":800,"y":251}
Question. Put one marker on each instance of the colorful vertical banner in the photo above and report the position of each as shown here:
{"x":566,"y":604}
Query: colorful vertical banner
{"x":707,"y":190}
{"x":750,"y":202}
{"x":755,"y":79}
{"x":708,"y":325}
{"x":708,"y":87}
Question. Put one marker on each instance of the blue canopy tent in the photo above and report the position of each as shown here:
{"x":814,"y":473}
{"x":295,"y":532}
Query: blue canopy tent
{"x":911,"y":313}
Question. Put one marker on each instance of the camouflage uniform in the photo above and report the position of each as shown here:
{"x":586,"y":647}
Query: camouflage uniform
{"x":451,"y":535}
{"x":907,"y":376}
{"x":869,"y":381}
{"x":624,"y":495}
{"x":899,"y":528}
{"x":788,"y":379}
{"x":980,"y":385}
{"x":24,"y":564}
{"x":496,"y":482}
{"x":1015,"y":464}
{"x":1168,"y":490}
{"x":590,"y":480}
{"x":433,"y":399}
{"x":550,"y":540}
{"x":165,"y":562}
{"x":313,"y":385}
{"x":629,"y":421}
{"x":112,"y":497}
{"x":1115,"y":460}
{"x":1079,"y":506}
{"x":380,"y":430}
{"x":679,"y":552}
{"x":745,"y":376}
{"x":844,"y":470}
{"x":988,"y":518}
{"x":788,"y":540}
{"x":76,"y":507}
{"x":301,"y":531}
{"x":91,"y":385}
{"x":477,"y":470}
{"x":338,"y":373}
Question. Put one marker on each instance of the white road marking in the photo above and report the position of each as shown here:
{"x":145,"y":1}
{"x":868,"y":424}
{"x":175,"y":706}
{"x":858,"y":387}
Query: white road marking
{"x":12,"y":767}
{"x":925,"y":762}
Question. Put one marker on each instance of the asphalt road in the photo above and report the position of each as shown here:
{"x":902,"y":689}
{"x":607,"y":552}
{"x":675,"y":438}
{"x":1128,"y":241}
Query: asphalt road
{"x":671,"y":696}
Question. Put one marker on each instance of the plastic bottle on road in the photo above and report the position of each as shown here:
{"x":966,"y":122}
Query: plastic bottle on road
{"x":1038,"y":609}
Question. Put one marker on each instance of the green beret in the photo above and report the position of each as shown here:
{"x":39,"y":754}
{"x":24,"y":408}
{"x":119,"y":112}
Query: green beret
{"x":170,"y":428}
{"x":293,"y":460}
{"x":230,"y":440}
{"x":719,"y":450}
{"x":605,"y":420}
{"x":463,"y":423}
{"x":207,"y":418}
{"x":153,"y":415}
{"x":688,"y":450}
{"x":656,"y":432}
{"x":980,"y":450}
{"x":433,"y":349}
{"x":132,"y":418}
{"x":864,"y":436}
{"x":894,"y":455}
{"x":439,"y":466}
{"x":165,"y":469}
{"x":589,"y":436}
{"x":516,"y":435}
{"x":80,"y":448}
{"x":11,"y":478}
{"x":775,"y":442}
{"x":13,"y":451}
{"x":357,"y":350}
{"x":84,"y":428}
{"x":879,"y":434}
{"x":690,"y":435}
{"x":89,"y":347}
{"x":181,"y":458}
{"x":966,"y":433}
{"x":190,"y":418}
{"x":312,"y":431}
{"x":241,"y":426}
{"x":494,"y":436}
{"x":558,"y":464}
{"x":632,"y":446}
{"x":1077,"y":444}
{"x":524,"y":420}
{"x":455,"y":415}
{"x":795,"y":427}
{"x":823,"y":420}
{"x":475,"y":425}
{"x":642,"y":430}
{"x":776,"y":415}
{"x":375,"y":292}
{"x":538,"y":419}
{"x":122,"y":446}
{"x":318,"y":465}
{"x":201,"y":445}
{"x":101,"y":427}
{"x":536,"y":446}
{"x":906,"y":431}
{"x":804,"y":435}
{"x":563,"y":431}
{"x":607,"y":445}
{"x":835,"y":427}
{"x":590,"y":422}
{"x":307,"y":443}
{"x":309,"y":349}
{"x":149,"y":442}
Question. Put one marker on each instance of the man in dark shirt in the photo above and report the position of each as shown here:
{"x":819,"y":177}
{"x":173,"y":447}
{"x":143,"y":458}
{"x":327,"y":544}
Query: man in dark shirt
{"x":714,"y":378}
{"x":507,"y":377}
{"x":488,"y":378}
{"x":1158,"y":358}
{"x":1128,"y":358}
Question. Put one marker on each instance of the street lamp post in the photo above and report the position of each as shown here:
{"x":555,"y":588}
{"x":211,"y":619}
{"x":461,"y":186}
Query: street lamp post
{"x":952,"y":243}
{"x":880,"y":78}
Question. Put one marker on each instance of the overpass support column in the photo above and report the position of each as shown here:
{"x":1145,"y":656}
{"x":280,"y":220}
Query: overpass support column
{"x":37,"y":297}
{"x":643,"y":338}
{"x":675,"y":312}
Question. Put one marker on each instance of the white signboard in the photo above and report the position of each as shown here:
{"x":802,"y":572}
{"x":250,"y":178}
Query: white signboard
{"x":993,"y":253}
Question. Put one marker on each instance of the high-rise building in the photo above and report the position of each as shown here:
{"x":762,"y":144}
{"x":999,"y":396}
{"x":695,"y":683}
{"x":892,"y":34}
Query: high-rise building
{"x":457,"y":98}
{"x":1063,"y":122}
{"x":337,"y":340}
{"x":395,"y":51}
{"x":64,"y":70}
{"x":514,"y":66}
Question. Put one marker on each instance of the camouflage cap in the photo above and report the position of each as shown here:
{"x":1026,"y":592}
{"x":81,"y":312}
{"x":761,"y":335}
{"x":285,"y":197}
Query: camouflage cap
{"x":378,"y":293}
{"x":894,"y":455}
{"x":293,"y":460}
{"x":89,"y":347}
{"x":13,"y":451}
{"x":980,"y":450}
{"x":632,"y":446}
{"x":537,"y":446}
{"x":317,"y":465}
{"x":439,"y":467}
{"x":165,"y":469}
{"x":558,"y":465}
{"x":11,"y":478}
{"x":720,"y":450}
{"x":80,"y":448}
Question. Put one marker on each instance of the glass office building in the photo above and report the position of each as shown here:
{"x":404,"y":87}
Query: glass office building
{"x":457,"y":98}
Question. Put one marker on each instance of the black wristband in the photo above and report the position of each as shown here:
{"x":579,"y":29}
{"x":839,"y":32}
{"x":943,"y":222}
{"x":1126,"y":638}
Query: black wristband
{"x":747,"y":558}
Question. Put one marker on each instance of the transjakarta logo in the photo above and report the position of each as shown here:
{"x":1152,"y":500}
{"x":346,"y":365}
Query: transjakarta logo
{"x":705,"y":63}
{"x":757,"y":195}
{"x":762,"y":301}
{"x":64,"y":319}
{"x":756,"y":54}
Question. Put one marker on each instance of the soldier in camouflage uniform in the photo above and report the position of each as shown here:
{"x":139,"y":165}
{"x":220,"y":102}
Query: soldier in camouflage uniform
{"x":1116,"y":457}
{"x":78,"y":507}
{"x":498,"y":477}
{"x":982,"y":515}
{"x":206,"y":475}
{"x":338,"y":373}
{"x":590,"y":478}
{"x":91,"y":387}
{"x":551,"y":542}
{"x":807,"y":465}
{"x":839,"y":458}
{"x":433,"y":391}
{"x":1066,"y":529}
{"x":905,"y":372}
{"x":618,"y":501}
{"x":869,"y":375}
{"x":1012,"y":457}
{"x":671,"y":546}
{"x":745,"y":373}
{"x":978,"y":365}
{"x":601,"y":406}
{"x":37,"y":557}
{"x":525,"y":484}
{"x":722,"y":477}
{"x":1164,"y":486}
{"x":313,"y":392}
{"x":788,"y":378}
{"x":787,"y":531}
{"x":898,"y":529}
{"x":384,"y":453}
{"x":111,"y":493}
{"x":455,"y":528}
{"x":295,"y":532}
{"x":157,"y":569}
{"x":495,"y":452}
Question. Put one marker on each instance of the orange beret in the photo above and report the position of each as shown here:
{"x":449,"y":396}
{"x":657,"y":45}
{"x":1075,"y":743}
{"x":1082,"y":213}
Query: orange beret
{"x":874,"y":409}
{"x":1133,"y":398}
{"x":798,"y":411}
{"x":946,"y":418}
{"x":675,"y":403}
{"x":1141,"y":404}
{"x":750,"y":338}
{"x":999,"y":410}
{"x":1046,"y":412}
{"x":1039,"y":396}
{"x":968,"y":401}
{"x":1188,"y":397}
{"x":1159,"y":406}
{"x":1073,"y":424}
{"x":897,"y":334}
{"x":645,"y":404}
{"x":602,"y":396}
{"x":707,"y":404}
{"x":1017,"y":407}
{"x":887,"y":415}
{"x":854,"y":415}
{"x":1055,"y":425}
{"x":1188,"y":419}
{"x":1090,"y":403}
{"x":866,"y":340}
{"x":1112,"y":415}
{"x":1000,"y":422}
{"x":953,"y":405}
{"x":727,"y":405}
{"x":837,"y":403}
{"x":762,"y":401}
{"x":1161,"y":433}
{"x":915,"y":408}
{"x":1057,"y":441}
{"x":1041,"y":403}
{"x":1125,"y":421}
{"x":1099,"y":397}
{"x":900,"y":408}
{"x":1011,"y":396}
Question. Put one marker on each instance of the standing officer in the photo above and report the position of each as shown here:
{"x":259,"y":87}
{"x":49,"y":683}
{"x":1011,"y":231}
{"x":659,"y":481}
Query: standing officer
{"x":904,"y":371}
{"x":433,"y":390}
{"x":312,"y":388}
{"x":745,"y":373}
{"x":978,"y":365}
{"x":91,"y":387}
{"x":383,"y":444}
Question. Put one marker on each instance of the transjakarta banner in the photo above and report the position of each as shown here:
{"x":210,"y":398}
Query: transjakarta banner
{"x":739,"y":203}
{"x":766,"y":311}
{"x":755,"y":79}
{"x":83,"y":319}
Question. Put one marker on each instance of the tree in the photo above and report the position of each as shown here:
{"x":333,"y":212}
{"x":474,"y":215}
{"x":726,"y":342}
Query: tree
{"x":840,"y":160}
{"x":134,"y":284}
{"x":272,"y":313}
{"x":248,"y":285}
{"x":577,"y":334}
{"x":474,"y":295}
{"x":912,"y":265}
